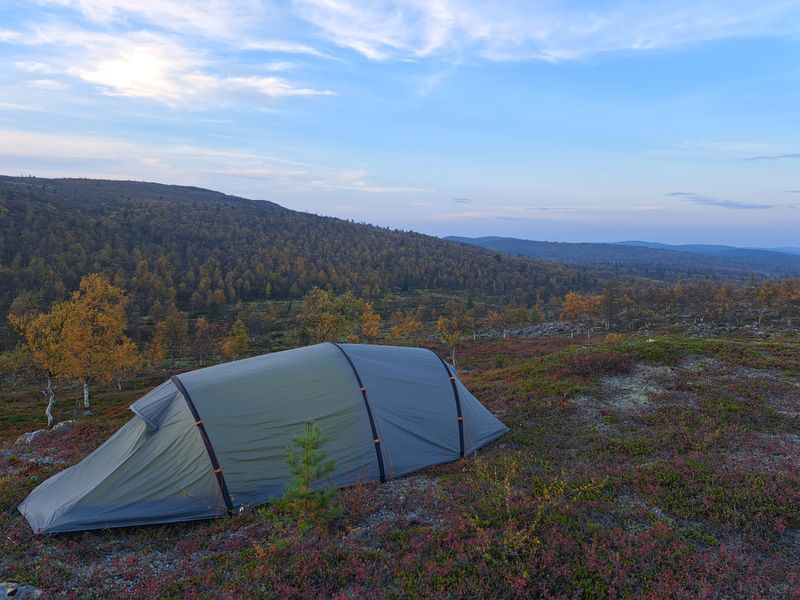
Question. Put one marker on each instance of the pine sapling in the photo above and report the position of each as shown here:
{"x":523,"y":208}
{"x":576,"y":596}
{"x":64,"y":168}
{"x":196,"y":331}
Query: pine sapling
{"x":308,"y":463}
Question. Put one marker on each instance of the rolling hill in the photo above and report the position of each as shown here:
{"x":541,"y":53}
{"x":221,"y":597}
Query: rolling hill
{"x":651,"y":260}
{"x":202,"y":249}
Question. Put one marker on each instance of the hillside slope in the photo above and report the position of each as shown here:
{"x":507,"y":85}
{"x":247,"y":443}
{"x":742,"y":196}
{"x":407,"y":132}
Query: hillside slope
{"x":202,"y":249}
{"x":657,"y":261}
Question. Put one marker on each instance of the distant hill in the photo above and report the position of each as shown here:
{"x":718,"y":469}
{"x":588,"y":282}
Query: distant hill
{"x":703,"y":249}
{"x":784,"y":249}
{"x":758,"y":258}
{"x":647,"y":259}
{"x":757,"y":254}
{"x":202,"y":249}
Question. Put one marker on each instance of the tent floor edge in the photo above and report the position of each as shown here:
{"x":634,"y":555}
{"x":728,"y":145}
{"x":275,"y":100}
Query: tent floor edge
{"x":207,"y":443}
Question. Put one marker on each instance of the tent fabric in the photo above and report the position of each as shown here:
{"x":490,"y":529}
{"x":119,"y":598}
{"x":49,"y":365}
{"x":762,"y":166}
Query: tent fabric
{"x":153,"y":406}
{"x":158,"y":468}
{"x":136,"y":477}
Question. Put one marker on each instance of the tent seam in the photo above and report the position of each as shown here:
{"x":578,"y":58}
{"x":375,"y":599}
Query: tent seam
{"x":206,"y":442}
{"x":459,"y":415}
{"x":363,"y":390}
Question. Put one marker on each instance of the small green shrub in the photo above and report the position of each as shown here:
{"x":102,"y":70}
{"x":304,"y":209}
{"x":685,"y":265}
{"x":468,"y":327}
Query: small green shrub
{"x":308,"y":463}
{"x":500,"y":361}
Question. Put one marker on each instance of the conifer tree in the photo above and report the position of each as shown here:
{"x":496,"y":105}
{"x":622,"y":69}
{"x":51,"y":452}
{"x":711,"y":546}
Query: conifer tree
{"x":308,"y":464}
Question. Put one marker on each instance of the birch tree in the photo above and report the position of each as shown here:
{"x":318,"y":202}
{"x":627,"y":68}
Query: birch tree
{"x":43,"y":333}
{"x":238,"y":342}
{"x":94,"y":343}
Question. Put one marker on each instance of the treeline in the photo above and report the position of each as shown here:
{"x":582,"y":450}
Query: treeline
{"x":720,"y":303}
{"x":83,"y":340}
{"x":201,"y":251}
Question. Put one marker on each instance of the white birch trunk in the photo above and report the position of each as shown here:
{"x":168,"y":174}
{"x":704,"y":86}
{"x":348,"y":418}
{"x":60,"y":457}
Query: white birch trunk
{"x":87,"y":407}
{"x":51,"y":400}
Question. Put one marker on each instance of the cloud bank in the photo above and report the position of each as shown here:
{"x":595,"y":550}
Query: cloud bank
{"x":717,"y":202}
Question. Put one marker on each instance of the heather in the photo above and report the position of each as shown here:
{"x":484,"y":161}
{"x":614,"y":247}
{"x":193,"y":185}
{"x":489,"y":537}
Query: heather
{"x":643,"y":466}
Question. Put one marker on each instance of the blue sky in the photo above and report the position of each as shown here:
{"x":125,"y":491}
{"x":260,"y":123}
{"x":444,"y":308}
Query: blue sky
{"x":674,"y":121}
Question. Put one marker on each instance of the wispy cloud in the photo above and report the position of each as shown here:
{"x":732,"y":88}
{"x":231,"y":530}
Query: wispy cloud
{"x":95,"y":156}
{"x":153,"y":66}
{"x":519,"y":30}
{"x":8,"y":36}
{"x":774,"y":156}
{"x":462,"y":200}
{"x":48,"y":84}
{"x":35,"y":66}
{"x":718,"y":202}
{"x":274,"y":87}
{"x":212,"y":18}
{"x":284,"y":47}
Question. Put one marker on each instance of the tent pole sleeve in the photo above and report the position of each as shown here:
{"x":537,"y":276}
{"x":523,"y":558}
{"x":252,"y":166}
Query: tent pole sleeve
{"x":375,"y":438}
{"x":207,"y":443}
{"x":459,"y":416}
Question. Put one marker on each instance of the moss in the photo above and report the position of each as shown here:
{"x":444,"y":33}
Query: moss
{"x":665,"y":351}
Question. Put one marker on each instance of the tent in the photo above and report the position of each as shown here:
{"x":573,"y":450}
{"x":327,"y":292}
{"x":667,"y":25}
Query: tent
{"x":213,"y":441}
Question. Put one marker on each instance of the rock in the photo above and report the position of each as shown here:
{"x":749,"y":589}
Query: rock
{"x":61,"y":425}
{"x":413,"y":517}
{"x":9,"y":590}
{"x":27,"y":438}
{"x":49,"y":460}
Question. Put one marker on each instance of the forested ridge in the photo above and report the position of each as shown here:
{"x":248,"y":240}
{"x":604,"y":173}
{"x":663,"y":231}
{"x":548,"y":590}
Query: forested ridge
{"x":199,"y":250}
{"x":662,"y":262}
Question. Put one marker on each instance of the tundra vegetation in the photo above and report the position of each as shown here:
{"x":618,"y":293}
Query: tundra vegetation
{"x":655,"y":464}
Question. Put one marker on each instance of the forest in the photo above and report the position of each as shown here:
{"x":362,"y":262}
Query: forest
{"x":202,"y":251}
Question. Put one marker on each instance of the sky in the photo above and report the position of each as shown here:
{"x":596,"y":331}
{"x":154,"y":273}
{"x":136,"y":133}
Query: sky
{"x":667,"y":120}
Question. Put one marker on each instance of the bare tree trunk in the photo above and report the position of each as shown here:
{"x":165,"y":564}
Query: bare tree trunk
{"x":51,"y":400}
{"x":87,"y":407}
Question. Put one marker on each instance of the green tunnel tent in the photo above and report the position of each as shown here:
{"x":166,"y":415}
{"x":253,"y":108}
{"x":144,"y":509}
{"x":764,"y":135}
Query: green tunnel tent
{"x":209,"y":442}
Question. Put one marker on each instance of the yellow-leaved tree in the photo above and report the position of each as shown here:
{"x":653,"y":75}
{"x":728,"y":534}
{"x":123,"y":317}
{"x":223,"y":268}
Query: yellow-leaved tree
{"x":95,"y":347}
{"x":406,"y":326}
{"x":370,"y":323}
{"x":81,"y":339}
{"x":452,"y":332}
{"x":42,"y":333}
{"x":326,"y":317}
{"x":238,"y":342}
